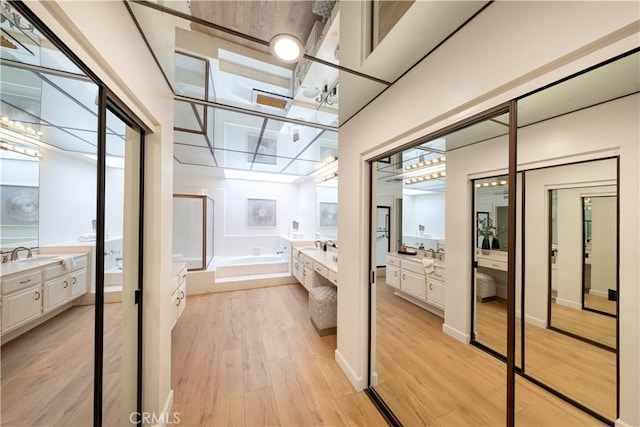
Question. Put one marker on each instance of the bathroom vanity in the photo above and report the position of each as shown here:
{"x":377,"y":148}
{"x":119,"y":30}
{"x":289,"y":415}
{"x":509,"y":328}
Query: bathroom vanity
{"x":312,"y":266}
{"x":179,"y":293}
{"x":36,"y":289}
{"x":417,"y":283}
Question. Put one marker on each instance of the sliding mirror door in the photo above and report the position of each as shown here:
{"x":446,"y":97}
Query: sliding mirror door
{"x":573,"y":138}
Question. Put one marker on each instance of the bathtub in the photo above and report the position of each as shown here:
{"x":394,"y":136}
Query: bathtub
{"x":250,"y":265}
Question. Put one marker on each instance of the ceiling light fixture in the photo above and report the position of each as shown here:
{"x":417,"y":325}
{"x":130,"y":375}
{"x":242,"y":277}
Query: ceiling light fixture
{"x":425,"y":177}
{"x":426,"y":163}
{"x":20,"y":150}
{"x":260,"y":176}
{"x":286,"y":48}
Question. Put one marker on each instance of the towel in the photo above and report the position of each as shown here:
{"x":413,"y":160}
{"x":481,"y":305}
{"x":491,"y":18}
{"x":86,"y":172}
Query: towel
{"x":428,"y":265}
{"x":90,"y":237}
{"x":68,"y":262}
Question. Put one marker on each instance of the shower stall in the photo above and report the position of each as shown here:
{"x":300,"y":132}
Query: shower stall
{"x":193,"y":230}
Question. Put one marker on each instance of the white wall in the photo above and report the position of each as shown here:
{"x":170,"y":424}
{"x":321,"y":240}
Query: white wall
{"x":603,"y":245}
{"x":113,"y":48}
{"x":509,"y":56}
{"x":232,"y":236}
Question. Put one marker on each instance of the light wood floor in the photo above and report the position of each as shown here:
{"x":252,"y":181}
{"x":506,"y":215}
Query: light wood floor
{"x":429,"y":378}
{"x":587,"y":324}
{"x":47,"y":373}
{"x":578,"y":369}
{"x":599,"y":303}
{"x":253,"y":358}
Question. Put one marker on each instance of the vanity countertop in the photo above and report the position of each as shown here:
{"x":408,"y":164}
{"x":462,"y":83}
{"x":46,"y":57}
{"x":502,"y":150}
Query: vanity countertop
{"x":328,"y":258}
{"x":37,"y":261}
{"x":418,"y":258}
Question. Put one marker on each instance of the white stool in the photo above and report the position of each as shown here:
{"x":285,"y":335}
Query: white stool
{"x":323,"y":309}
{"x":485,"y":287}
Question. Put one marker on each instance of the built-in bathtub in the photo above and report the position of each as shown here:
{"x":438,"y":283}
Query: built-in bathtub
{"x":250,"y":265}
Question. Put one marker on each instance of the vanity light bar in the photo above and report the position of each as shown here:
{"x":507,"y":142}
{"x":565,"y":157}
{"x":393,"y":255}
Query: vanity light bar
{"x":491,"y":184}
{"x":327,"y":177}
{"x":20,"y":150}
{"x":18,"y":126}
{"x":426,"y":163}
{"x":425,"y":177}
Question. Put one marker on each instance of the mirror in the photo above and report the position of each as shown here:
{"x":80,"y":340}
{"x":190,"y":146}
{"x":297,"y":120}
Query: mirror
{"x":599,"y":283}
{"x":583,"y":252}
{"x":193,"y":230}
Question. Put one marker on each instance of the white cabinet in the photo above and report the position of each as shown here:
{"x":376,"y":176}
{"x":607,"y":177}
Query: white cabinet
{"x":179,"y":294}
{"x":21,"y":307}
{"x":407,"y":274}
{"x":412,"y":283}
{"x":435,"y":292}
{"x":298,"y":270}
{"x":63,"y":289}
{"x":45,"y":284}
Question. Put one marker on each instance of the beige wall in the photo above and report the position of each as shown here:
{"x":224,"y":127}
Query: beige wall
{"x":105,"y":38}
{"x":507,"y":51}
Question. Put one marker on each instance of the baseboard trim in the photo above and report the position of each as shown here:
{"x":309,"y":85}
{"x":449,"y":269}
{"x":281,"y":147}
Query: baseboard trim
{"x":453,"y":332}
{"x":166,"y":416}
{"x":535,"y":321}
{"x":620,"y":423}
{"x":569,"y":303}
{"x":357,"y":382}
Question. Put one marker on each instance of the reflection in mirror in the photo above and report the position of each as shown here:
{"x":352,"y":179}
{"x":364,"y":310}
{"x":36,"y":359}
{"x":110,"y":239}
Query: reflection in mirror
{"x":569,"y":348}
{"x":599,"y":283}
{"x":490,"y":285}
{"x":584,"y":260}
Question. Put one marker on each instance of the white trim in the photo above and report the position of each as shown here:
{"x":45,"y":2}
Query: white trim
{"x":604,"y":294}
{"x":620,"y":423}
{"x":535,"y":321}
{"x":453,"y":332}
{"x":168,"y":404}
{"x":569,"y":303}
{"x":357,"y":382}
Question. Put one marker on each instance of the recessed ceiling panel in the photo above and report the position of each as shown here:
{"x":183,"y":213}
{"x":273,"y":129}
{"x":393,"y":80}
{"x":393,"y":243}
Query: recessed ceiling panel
{"x":190,"y":155}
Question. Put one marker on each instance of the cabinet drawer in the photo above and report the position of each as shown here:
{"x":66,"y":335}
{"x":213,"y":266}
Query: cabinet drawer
{"x":20,"y":281}
{"x":58,"y":269}
{"x":333,"y":277}
{"x":392,"y":260}
{"x":413,"y":266}
{"x":307,"y":261}
{"x":321,"y":269}
{"x":489,"y":263}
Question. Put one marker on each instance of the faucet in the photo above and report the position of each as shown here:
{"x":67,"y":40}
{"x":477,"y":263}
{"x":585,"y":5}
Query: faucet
{"x":440,"y":250}
{"x":318,"y":244}
{"x":14,"y":253}
{"x":433,"y":253}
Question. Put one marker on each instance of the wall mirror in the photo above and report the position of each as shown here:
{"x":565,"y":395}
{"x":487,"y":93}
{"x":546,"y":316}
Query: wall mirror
{"x":583,"y":259}
{"x":491,"y":211}
{"x":570,"y":347}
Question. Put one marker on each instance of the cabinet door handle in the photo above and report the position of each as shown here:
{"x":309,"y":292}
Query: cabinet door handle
{"x":404,"y":277}
{"x":66,"y":284}
{"x":430,"y":286}
{"x":495,"y":265}
{"x":74,"y":280}
{"x":184,"y":277}
{"x":22,"y":282}
{"x":37,"y":295}
{"x":395,"y":273}
{"x":181,"y":294}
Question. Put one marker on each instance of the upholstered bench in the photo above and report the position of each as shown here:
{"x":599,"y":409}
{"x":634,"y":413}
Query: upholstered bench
{"x":485,"y":287}
{"x":323,"y":302}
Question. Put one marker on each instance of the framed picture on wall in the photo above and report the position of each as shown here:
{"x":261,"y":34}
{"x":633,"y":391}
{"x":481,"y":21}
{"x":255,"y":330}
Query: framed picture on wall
{"x":327,"y":214}
{"x":20,"y":205}
{"x":265,"y":153}
{"x":261,"y":213}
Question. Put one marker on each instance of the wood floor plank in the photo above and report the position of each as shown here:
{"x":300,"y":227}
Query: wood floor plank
{"x":260,"y":408}
{"x":293,"y":409}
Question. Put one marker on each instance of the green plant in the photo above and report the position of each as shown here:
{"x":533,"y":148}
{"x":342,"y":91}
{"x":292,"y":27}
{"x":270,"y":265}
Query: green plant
{"x":486,"y":228}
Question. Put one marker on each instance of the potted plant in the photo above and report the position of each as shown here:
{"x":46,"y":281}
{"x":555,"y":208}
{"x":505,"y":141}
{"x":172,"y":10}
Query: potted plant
{"x":487,"y":230}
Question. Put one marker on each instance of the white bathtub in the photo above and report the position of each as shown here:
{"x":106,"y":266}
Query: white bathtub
{"x":250,"y":265}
